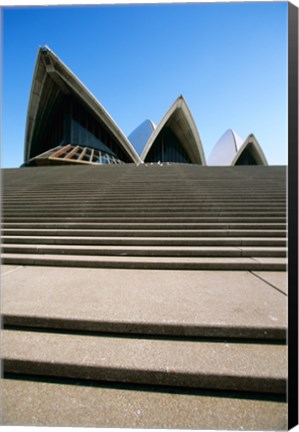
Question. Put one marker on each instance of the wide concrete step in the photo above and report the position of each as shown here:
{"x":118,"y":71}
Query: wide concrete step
{"x":149,"y":186}
{"x":74,"y":231}
{"x":149,"y":226}
{"x":149,"y":183}
{"x":183,"y":211}
{"x":149,"y":190}
{"x":145,"y":241}
{"x":166,"y":263}
{"x":116,"y":186}
{"x":273,"y":174}
{"x":106,"y":200}
{"x":145,"y":198}
{"x":156,"y":251}
{"x":156,"y":177}
{"x":155,"y":208}
{"x":208,"y":179}
{"x":155,"y":174}
{"x":180,"y":304}
{"x":196,"y":198}
{"x":130,"y":213}
{"x":144,"y":219}
{"x":35,"y":402}
{"x":195,"y":217}
{"x":207,"y":365}
{"x":52,"y":209}
{"x":155,"y":181}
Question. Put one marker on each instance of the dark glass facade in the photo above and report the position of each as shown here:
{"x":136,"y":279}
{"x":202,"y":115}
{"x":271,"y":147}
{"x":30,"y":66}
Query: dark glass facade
{"x":53,"y":134}
{"x":246,"y":158}
{"x":85,"y":130}
{"x":66,"y":120}
{"x":167,"y":148}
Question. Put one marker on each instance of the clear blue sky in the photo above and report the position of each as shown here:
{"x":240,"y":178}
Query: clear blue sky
{"x":229,"y":61}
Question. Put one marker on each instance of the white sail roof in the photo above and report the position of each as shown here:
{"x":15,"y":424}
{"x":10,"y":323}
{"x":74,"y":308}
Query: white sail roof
{"x":254,"y":148}
{"x":141,"y":135}
{"x":225,"y":149}
{"x":180,"y":120}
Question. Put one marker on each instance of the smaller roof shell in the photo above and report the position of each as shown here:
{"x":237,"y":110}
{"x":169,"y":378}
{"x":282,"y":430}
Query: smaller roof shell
{"x":180,"y":120}
{"x":253,"y":145}
{"x":225,"y":149}
{"x":141,"y":135}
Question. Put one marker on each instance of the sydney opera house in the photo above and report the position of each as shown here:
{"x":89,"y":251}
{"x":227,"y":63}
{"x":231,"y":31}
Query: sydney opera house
{"x":66,"y":124}
{"x":144,"y":284}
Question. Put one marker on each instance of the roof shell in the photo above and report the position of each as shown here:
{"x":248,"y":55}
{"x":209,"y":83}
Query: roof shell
{"x":225,"y":149}
{"x":141,"y":135}
{"x":253,"y":145}
{"x":49,"y":65}
{"x":179,"y":119}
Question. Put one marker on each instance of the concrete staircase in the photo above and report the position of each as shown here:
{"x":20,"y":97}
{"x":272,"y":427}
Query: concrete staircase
{"x":183,"y":303}
{"x":166,"y":217}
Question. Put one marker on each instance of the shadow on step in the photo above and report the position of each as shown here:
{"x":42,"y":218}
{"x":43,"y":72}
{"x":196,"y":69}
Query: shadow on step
{"x":150,"y":388}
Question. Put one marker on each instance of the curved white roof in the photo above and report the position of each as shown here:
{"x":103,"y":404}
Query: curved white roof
{"x":255,"y":149}
{"x":141,"y":135}
{"x":230,"y":147}
{"x":180,"y":120}
{"x":225,"y":149}
{"x":49,"y":65}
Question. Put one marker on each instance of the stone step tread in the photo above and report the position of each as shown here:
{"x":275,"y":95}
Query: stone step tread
{"x":250,"y":260}
{"x":209,"y":194}
{"x":222,"y":200}
{"x":156,"y":181}
{"x":142,"y":196}
{"x":140,"y":218}
{"x":156,"y":206}
{"x":148,"y":185}
{"x":34,"y":403}
{"x":180,"y":263}
{"x":87,"y":215}
{"x":149,"y":204}
{"x":147,"y":190}
{"x":155,"y":178}
{"x":212,"y":365}
{"x":147,"y":250}
{"x":129,"y":213}
{"x":224,"y":233}
{"x":164,"y":225}
{"x":144,"y":221}
{"x":189,"y":241}
{"x":181,"y":303}
{"x":186,"y":187}
{"x":152,"y":194}
{"x":195,"y":213}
